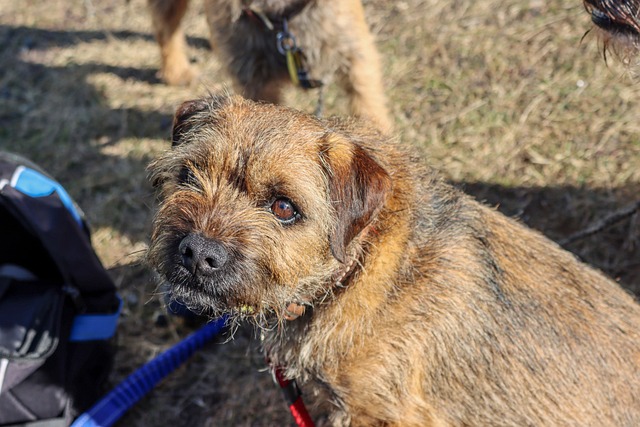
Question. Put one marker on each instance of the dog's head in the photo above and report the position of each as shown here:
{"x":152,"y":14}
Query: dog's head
{"x":619,"y":25}
{"x":260,"y":205}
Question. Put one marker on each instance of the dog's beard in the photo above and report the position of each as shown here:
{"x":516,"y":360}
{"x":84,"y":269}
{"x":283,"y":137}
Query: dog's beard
{"x":244,"y":290}
{"x":625,"y":47}
{"x":213,"y":295}
{"x":236,"y":289}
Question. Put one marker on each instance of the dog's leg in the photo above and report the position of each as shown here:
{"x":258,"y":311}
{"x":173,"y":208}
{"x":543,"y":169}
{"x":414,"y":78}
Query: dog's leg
{"x":363,"y":82}
{"x":166,"y":16}
{"x":364,"y":86}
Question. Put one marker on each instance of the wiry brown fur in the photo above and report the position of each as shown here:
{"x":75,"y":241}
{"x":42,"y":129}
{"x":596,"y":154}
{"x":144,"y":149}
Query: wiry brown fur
{"x":454,"y":316}
{"x":618,"y":25}
{"x":333,"y":35}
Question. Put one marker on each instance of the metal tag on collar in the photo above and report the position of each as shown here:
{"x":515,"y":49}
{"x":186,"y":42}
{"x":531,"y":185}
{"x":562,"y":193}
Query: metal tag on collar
{"x":296,"y":61}
{"x":285,"y":41}
{"x":292,"y":66}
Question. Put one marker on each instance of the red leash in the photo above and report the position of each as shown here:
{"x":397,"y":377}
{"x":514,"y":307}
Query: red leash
{"x":294,"y":398}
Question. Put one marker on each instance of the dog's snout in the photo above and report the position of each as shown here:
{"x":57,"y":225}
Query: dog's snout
{"x":202,"y":256}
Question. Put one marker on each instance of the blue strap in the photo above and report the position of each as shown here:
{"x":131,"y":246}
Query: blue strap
{"x":35,"y":184}
{"x":113,"y":406}
{"x":89,"y":327}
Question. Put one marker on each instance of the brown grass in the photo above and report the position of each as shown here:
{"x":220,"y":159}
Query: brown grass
{"x":503,"y":96}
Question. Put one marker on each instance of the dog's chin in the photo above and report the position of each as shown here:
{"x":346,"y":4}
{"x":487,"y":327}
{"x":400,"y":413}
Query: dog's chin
{"x":212,"y":296}
{"x":198,"y":302}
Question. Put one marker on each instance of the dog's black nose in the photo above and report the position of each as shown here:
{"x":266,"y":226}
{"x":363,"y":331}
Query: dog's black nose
{"x":202,"y":256}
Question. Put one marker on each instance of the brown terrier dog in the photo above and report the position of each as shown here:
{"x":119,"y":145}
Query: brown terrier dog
{"x":395,"y":298}
{"x":619,"y":22}
{"x":268,"y":43}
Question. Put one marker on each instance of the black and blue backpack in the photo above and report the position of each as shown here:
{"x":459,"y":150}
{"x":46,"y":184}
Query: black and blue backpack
{"x":58,"y":305}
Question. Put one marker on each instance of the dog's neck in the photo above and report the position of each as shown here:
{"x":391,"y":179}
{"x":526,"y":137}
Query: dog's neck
{"x":339,"y":280}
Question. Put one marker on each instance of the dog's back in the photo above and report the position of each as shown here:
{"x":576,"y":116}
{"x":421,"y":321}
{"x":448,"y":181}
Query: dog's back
{"x":525,"y":330}
{"x":486,"y":322}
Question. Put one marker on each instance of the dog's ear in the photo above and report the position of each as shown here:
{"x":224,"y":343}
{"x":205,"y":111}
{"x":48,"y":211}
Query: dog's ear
{"x":181,"y":126}
{"x":358,"y":188}
{"x":181,"y":122}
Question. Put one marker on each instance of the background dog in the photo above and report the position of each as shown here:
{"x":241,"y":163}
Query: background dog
{"x":619,"y":24}
{"x":325,"y":39}
{"x":421,"y":306}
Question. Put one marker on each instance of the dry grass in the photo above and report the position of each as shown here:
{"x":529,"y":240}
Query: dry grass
{"x":504,"y":97}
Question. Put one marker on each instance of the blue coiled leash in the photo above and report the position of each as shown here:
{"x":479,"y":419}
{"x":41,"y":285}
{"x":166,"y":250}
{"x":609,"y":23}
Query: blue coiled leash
{"x":111,"y":407}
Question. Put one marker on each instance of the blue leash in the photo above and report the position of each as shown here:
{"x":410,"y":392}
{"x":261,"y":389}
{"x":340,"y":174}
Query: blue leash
{"x":110,"y":408}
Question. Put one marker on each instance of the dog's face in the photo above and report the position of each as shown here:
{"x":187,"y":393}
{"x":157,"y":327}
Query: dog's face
{"x":619,"y":22}
{"x":259,"y":205}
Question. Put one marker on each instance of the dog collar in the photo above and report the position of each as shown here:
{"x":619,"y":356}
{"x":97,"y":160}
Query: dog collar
{"x":295,"y":310}
{"x":286,"y":44}
{"x":338,"y":278}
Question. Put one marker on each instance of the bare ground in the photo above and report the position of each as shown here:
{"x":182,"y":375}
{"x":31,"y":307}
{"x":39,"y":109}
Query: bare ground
{"x":506,"y":98}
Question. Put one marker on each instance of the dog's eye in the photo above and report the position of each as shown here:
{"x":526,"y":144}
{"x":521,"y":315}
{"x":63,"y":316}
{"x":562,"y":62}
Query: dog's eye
{"x":284,"y":210}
